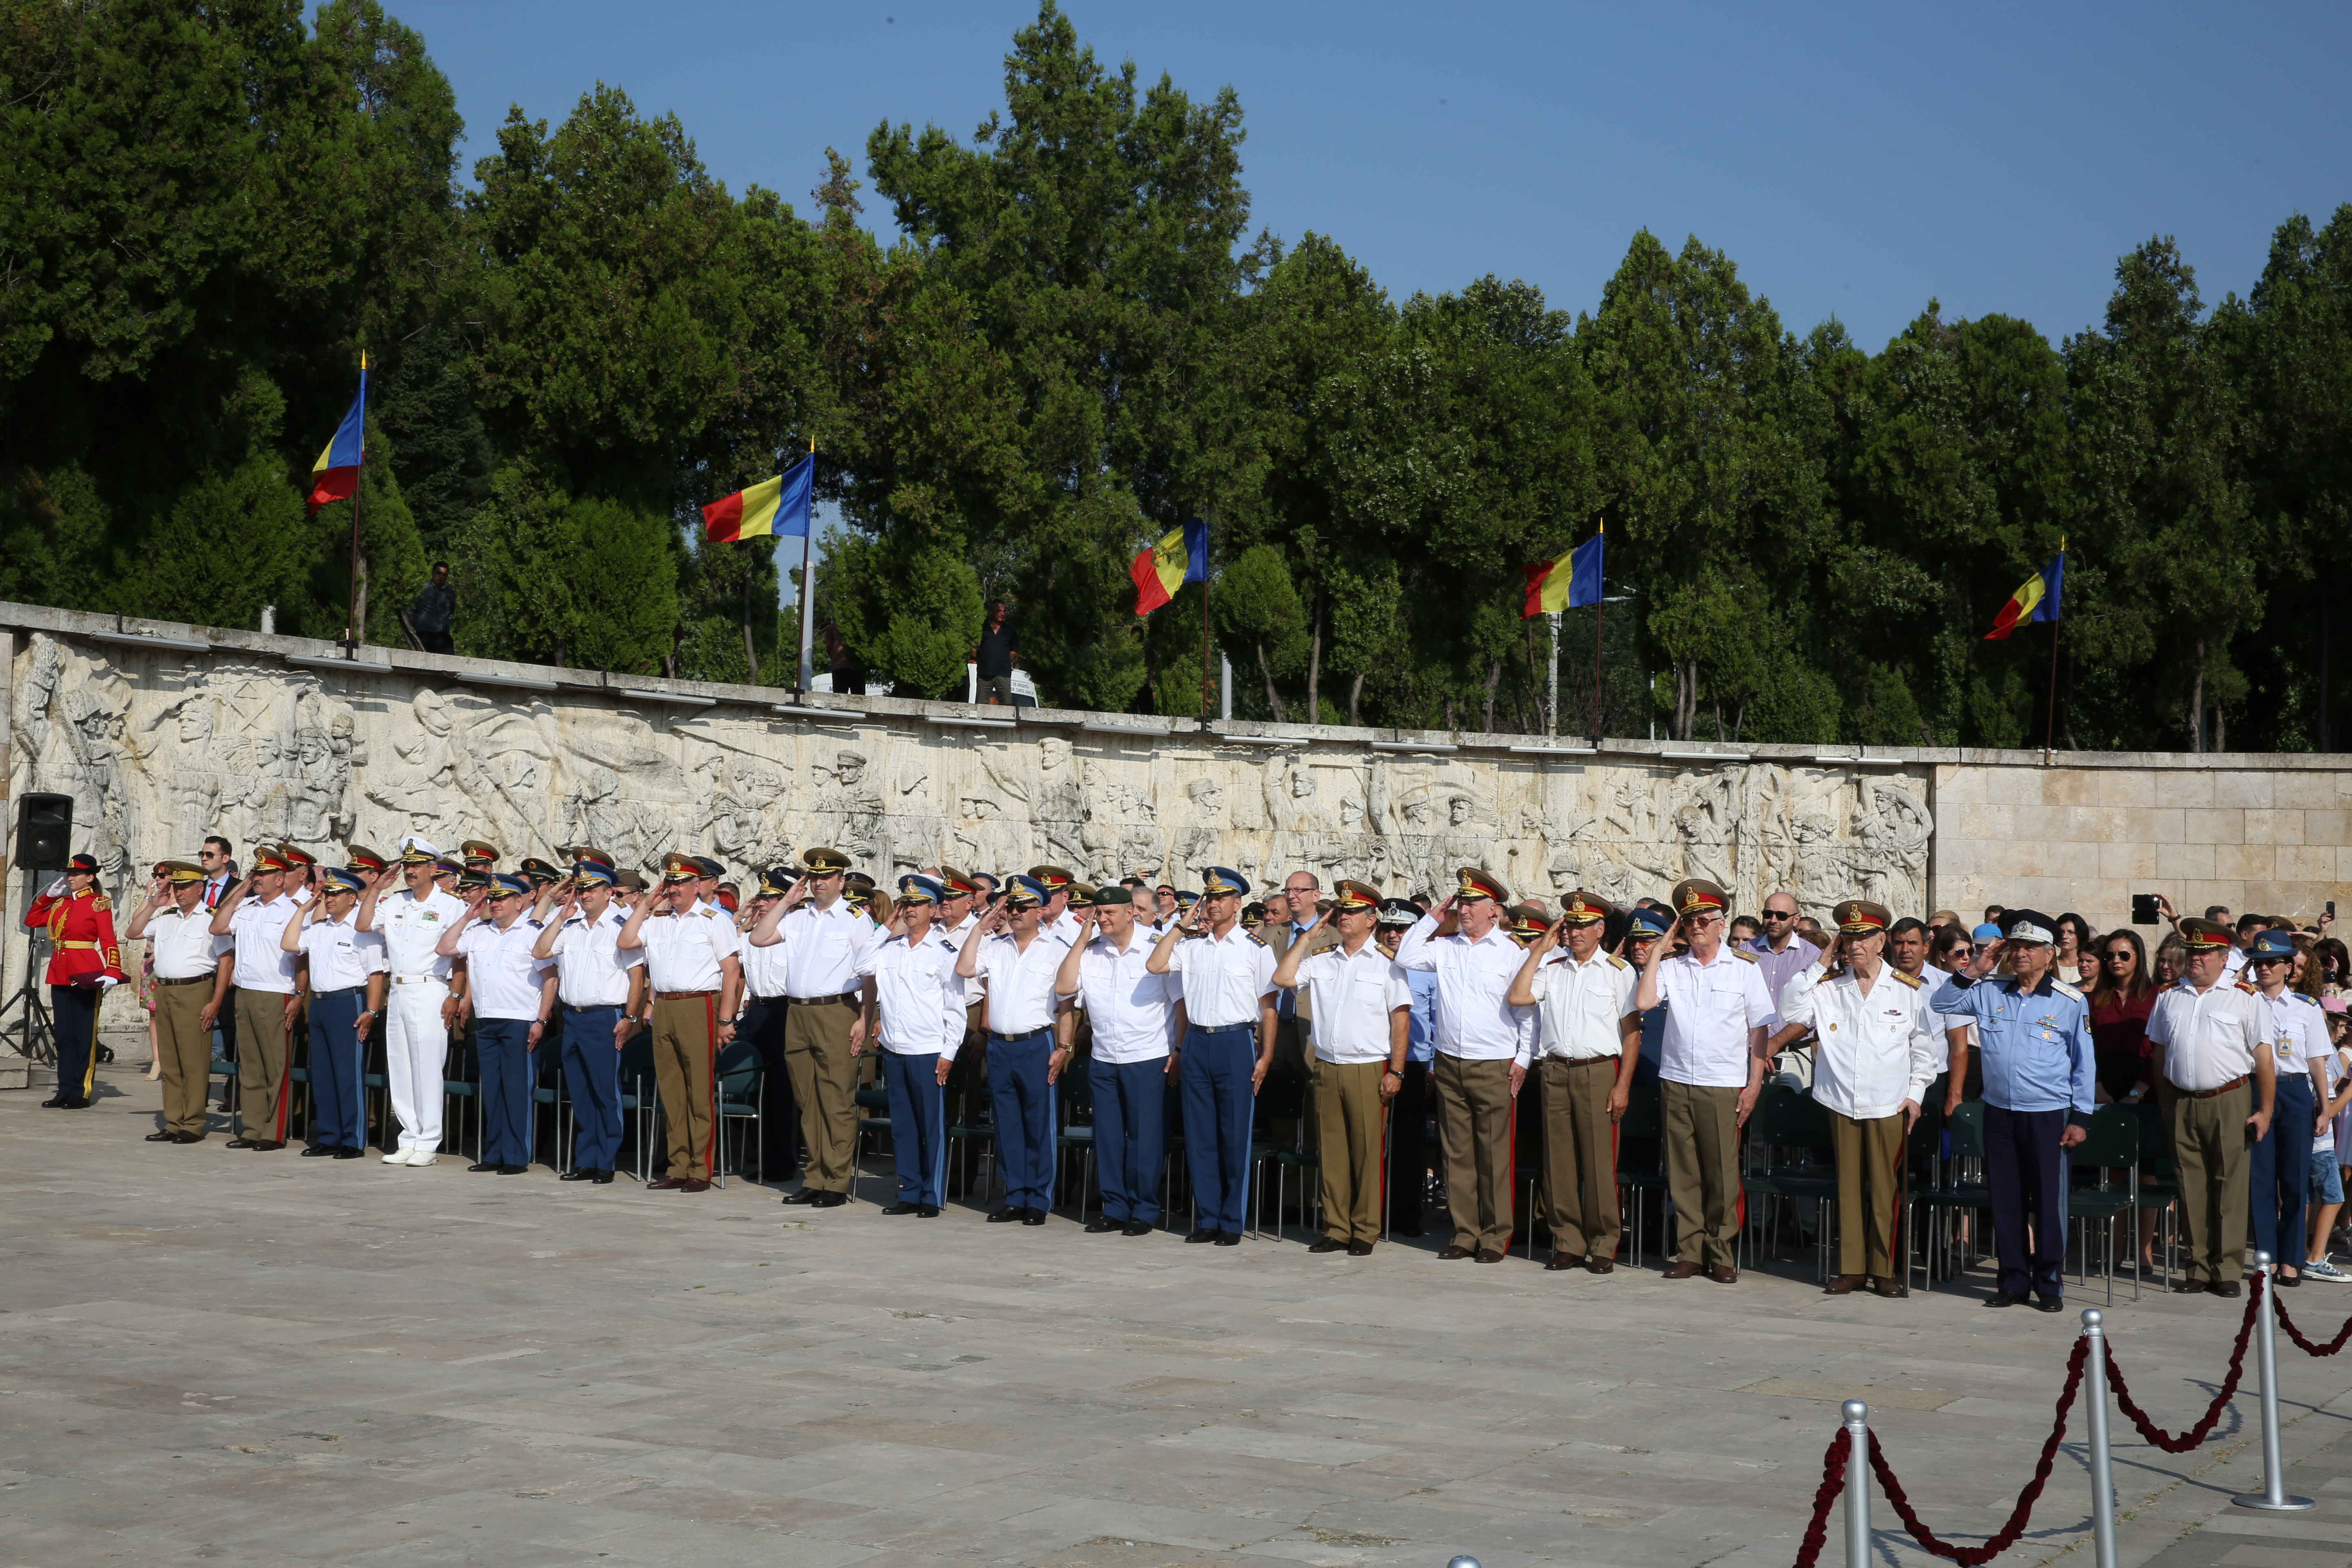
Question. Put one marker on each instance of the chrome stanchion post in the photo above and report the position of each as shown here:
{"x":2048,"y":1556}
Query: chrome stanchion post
{"x":2103,"y":1477}
{"x":2273,"y":1493}
{"x":1857,"y":1485}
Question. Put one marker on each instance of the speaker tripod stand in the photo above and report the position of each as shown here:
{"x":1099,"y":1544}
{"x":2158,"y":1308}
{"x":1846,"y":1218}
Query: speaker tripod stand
{"x":34,"y":1034}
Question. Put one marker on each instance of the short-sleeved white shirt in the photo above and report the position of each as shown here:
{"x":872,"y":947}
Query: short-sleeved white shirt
{"x":1710,"y":1008}
{"x":1021,"y":999}
{"x":341,"y":955}
{"x":1132,"y":1011}
{"x":2297,"y":1032}
{"x":919,"y":994}
{"x":1351,"y":999}
{"x":1222,"y":977}
{"x":1872,"y":1052}
{"x":2208,"y":1037}
{"x":687,"y":952}
{"x":505,"y":974}
{"x":592,"y":969}
{"x":183,"y":946}
{"x":256,"y":929}
{"x":1475,"y":1021}
{"x":821,"y":948}
{"x":1581,"y":1008}
{"x":412,"y":927}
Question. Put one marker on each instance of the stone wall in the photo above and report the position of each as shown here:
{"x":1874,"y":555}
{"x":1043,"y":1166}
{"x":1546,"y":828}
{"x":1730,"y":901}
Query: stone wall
{"x":162,"y":734}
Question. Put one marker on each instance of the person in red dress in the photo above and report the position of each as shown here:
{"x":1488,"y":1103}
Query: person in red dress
{"x":84,"y":960}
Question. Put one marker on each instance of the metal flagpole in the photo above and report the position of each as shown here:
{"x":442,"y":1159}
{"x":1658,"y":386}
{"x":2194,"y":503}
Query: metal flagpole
{"x":2049,"y":711}
{"x":808,"y":575}
{"x":1599,"y":608}
{"x":1208,"y":677}
{"x":351,"y":620}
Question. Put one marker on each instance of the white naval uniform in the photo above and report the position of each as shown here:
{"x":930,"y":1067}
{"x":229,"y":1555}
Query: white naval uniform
{"x":416,"y":1041}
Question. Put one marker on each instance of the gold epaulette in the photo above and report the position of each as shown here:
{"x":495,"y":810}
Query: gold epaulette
{"x":1913,"y":981}
{"x":1742,"y":952}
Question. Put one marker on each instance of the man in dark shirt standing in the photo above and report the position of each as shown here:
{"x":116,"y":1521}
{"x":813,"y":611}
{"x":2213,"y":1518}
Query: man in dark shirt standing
{"x":435,"y":608}
{"x":996,"y":656}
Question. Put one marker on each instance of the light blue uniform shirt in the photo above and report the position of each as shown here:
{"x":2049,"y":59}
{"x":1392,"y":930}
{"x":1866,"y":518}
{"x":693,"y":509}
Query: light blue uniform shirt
{"x":1422,"y":1039}
{"x":2035,"y":1045}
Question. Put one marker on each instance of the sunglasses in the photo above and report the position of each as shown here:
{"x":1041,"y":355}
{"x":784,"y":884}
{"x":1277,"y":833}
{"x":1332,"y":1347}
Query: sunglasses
{"x":2123,"y":952}
{"x":1777,"y":915}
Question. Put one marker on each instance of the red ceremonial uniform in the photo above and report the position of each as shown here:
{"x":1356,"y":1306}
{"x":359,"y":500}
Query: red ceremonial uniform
{"x":81,"y":934}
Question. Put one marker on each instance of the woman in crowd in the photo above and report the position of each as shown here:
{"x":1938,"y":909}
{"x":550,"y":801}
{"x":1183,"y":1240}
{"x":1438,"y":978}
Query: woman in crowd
{"x":2335,"y":967}
{"x":2171,"y":960}
{"x":2121,"y":999}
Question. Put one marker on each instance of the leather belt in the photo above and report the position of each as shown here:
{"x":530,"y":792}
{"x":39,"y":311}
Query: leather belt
{"x":332,"y":995}
{"x":420,"y":980}
{"x":191,"y":980}
{"x":682,"y":995}
{"x":771,"y":1001}
{"x":2237,"y":1082}
{"x":844,"y":999}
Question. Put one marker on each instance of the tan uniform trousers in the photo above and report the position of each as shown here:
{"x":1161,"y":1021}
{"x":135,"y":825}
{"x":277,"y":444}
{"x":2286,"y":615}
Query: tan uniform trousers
{"x":824,"y":1080}
{"x":183,"y":1049}
{"x":686,"y":1060}
{"x":1579,"y":1163}
{"x":1474,"y":1130}
{"x":2212,"y":1149}
{"x":1870,"y":1192}
{"x":1701,"y":1136}
{"x":264,"y":1052}
{"x":1351,"y":1129}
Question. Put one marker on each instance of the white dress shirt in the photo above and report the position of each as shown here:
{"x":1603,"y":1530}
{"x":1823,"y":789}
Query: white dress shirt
{"x":2208,"y":1036}
{"x":506,"y":975}
{"x":1351,"y":999}
{"x":1872,"y":1052}
{"x":413,"y":927}
{"x":341,"y":955}
{"x":919,"y":994}
{"x":1710,"y":1008}
{"x":1581,"y":1008}
{"x":1222,"y":977}
{"x":1931,"y":980}
{"x":1131,"y":1010}
{"x":257,"y":928}
{"x":2297,"y":1032}
{"x":1063,"y":928}
{"x":183,"y":946}
{"x":1021,"y":999}
{"x":764,"y":969}
{"x":590,"y":969}
{"x":685,"y":951}
{"x":821,"y":948}
{"x":1475,"y":1021}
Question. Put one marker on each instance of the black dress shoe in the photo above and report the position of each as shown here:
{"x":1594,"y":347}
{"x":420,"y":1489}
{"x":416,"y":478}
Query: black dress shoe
{"x":2049,"y":1304}
{"x":1136,"y":1228}
{"x":162,"y":1138}
{"x":56,"y":1102}
{"x":2002,"y":1299}
{"x":1229,"y":1239}
{"x":1033,"y":1216}
{"x":1329,"y":1244}
{"x":1453,"y":1254}
{"x":241,"y":1143}
{"x":927,"y":1211}
{"x":901,"y":1208}
{"x":512,"y":1170}
{"x":1194,"y":1239}
{"x":828,"y":1200}
{"x":187,"y":1137}
{"x":318,"y":1151}
{"x":2290,"y":1281}
{"x":577,"y":1173}
{"x":1004,"y":1215}
{"x":347,"y":1153}
{"x":1359,"y":1250}
{"x":601,"y":1178}
{"x":805,"y":1195}
{"x":267,"y":1145}
{"x":484,"y":1165}
{"x":1103,"y":1224}
{"x":2224,"y":1287}
{"x":2190,"y":1287}
{"x":76,"y":1105}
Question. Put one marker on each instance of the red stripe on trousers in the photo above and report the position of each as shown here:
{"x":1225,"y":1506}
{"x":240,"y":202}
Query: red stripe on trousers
{"x":710,"y":1043}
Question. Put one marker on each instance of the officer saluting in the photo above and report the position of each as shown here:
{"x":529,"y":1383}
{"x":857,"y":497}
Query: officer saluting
{"x":85,"y":960}
{"x":823,"y":936}
{"x":1227,"y":975}
{"x":921,"y":997}
{"x":1010,"y":952}
{"x":345,"y":966}
{"x":2219,"y":1088}
{"x":421,"y":999}
{"x":602,"y":989}
{"x":1136,"y":1018}
{"x":254,"y":916}
{"x":191,"y":984}
{"x":695,"y":976}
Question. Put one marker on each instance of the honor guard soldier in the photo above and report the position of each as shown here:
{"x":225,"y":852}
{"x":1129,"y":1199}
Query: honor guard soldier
{"x":1589,"y":1036}
{"x":694,"y":972}
{"x":1227,"y":977}
{"x":85,"y":960}
{"x":345,"y":967}
{"x":253,"y":917}
{"x":424,"y":997}
{"x":479,"y":857}
{"x":1009,"y":953}
{"x":2219,"y":1090}
{"x":191,"y":984}
{"x":601,"y":988}
{"x":2035,"y":1035}
{"x":1710,"y":1069}
{"x":513,"y":989}
{"x":823,"y":935}
{"x":1136,"y":1017}
{"x":920,"y":999}
{"x":1876,"y":1047}
{"x":1361,"y":1008}
{"x":766,"y":1004}
{"x":2279,"y":1164}
{"x":1483,"y":1044}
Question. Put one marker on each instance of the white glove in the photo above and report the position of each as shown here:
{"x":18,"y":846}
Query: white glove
{"x":55,"y":888}
{"x":107,"y":982}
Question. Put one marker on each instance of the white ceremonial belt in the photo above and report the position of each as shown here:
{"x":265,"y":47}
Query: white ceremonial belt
{"x":420,"y":979}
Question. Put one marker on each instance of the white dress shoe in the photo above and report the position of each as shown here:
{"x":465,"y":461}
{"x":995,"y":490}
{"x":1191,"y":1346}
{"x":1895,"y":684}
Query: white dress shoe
{"x":397,"y":1157}
{"x":422,"y":1157}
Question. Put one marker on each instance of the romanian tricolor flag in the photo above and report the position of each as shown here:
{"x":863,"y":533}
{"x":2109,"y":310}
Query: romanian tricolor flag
{"x":1567,"y":581}
{"x":336,"y":475}
{"x":2035,"y":600}
{"x":1180,"y":558}
{"x":778,"y":506}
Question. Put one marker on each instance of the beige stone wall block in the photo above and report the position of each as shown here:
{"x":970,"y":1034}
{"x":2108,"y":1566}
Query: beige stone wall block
{"x":2325,"y":825}
{"x":2242,"y":786}
{"x":2158,"y":825}
{"x":1958,"y":784}
{"x":2185,"y":863}
{"x":2226,"y":825}
{"x":2016,"y":786}
{"x":1968,"y":821}
{"x":2126,"y":786}
{"x":2040,"y":824}
{"x":2298,"y":790}
{"x":2071,"y":786}
{"x":2127,"y":862}
{"x":2105,"y":823}
{"x":2246,"y":862}
{"x":2073,"y":860}
{"x":2313,"y":863}
{"x":2184,"y":787}
{"x":2272,"y":826}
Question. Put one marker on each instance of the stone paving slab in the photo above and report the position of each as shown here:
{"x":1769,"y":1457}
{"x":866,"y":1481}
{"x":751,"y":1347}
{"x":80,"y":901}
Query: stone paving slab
{"x":212,"y":1355}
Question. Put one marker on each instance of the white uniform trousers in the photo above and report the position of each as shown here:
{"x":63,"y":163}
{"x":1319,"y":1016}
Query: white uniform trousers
{"x":416,"y":1051}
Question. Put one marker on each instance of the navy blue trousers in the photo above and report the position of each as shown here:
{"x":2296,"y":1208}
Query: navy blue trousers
{"x":338,"y":1092}
{"x":1023,"y":1102}
{"x":1219,"y":1104}
{"x":2028,"y":1172}
{"x":918,"y":1126}
{"x":1130,"y":1136}
{"x":73,"y":1013}
{"x":592,"y":1076}
{"x":2282,"y":1171}
{"x":502,"y":1047}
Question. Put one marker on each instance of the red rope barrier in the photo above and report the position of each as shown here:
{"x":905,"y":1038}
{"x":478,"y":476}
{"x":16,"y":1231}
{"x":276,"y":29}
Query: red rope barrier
{"x":2204,"y":1427}
{"x":2007,"y":1536}
{"x":1825,"y":1495}
{"x":2343,"y":1335}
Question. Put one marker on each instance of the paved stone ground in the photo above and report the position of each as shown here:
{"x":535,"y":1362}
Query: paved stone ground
{"x":212,"y":1355}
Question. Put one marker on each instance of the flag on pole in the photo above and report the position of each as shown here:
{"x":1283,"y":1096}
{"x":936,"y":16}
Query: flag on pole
{"x":1567,"y":581}
{"x":2036,"y":599}
{"x":336,"y":475}
{"x":778,"y":507}
{"x":1181,"y":557}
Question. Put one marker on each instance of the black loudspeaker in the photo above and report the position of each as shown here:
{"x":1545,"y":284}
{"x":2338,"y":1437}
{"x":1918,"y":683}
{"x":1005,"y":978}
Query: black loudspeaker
{"x":44,"y":832}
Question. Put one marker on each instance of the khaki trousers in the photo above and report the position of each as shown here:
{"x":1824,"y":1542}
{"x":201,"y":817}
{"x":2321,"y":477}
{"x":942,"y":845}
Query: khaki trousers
{"x":1473,"y":1130}
{"x":1702,"y":1138}
{"x":184,"y":1048}
{"x":264,"y":1052}
{"x":1580,"y":1164}
{"x":1351,"y":1126}
{"x":685,"y":1059}
{"x":1870,"y":1185}
{"x":825,"y":1083}
{"x":2212,"y":1149}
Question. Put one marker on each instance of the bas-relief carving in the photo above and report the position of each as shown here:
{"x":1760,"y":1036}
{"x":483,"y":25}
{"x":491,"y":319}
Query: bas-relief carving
{"x":157,"y":753}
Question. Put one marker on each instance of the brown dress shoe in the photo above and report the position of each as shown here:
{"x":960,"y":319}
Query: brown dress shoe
{"x":2188,"y":1288}
{"x":1724,"y":1274}
{"x":1682,"y":1271}
{"x":1452,"y":1254}
{"x":2224,"y":1288}
{"x":1882,"y":1285}
{"x":1844,"y":1285}
{"x":1562,"y":1260}
{"x":1602,"y":1266}
{"x":665,"y":1184}
{"x":1488,"y":1255}
{"x":694,"y":1184}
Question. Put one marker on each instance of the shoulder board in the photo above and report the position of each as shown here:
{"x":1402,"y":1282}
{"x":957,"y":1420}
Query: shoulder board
{"x":1742,"y":954}
{"x":101,"y":904}
{"x":1913,"y":981}
{"x":707,"y":913}
{"x":2250,"y":988}
{"x":2306,"y":1001}
{"x":2064,"y":989}
{"x":535,"y":925}
{"x":1257,"y":939}
{"x":1617,"y":962}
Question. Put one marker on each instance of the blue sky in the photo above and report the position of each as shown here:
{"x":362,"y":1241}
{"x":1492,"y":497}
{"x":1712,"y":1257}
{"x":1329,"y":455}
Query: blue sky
{"x":1855,"y":160}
